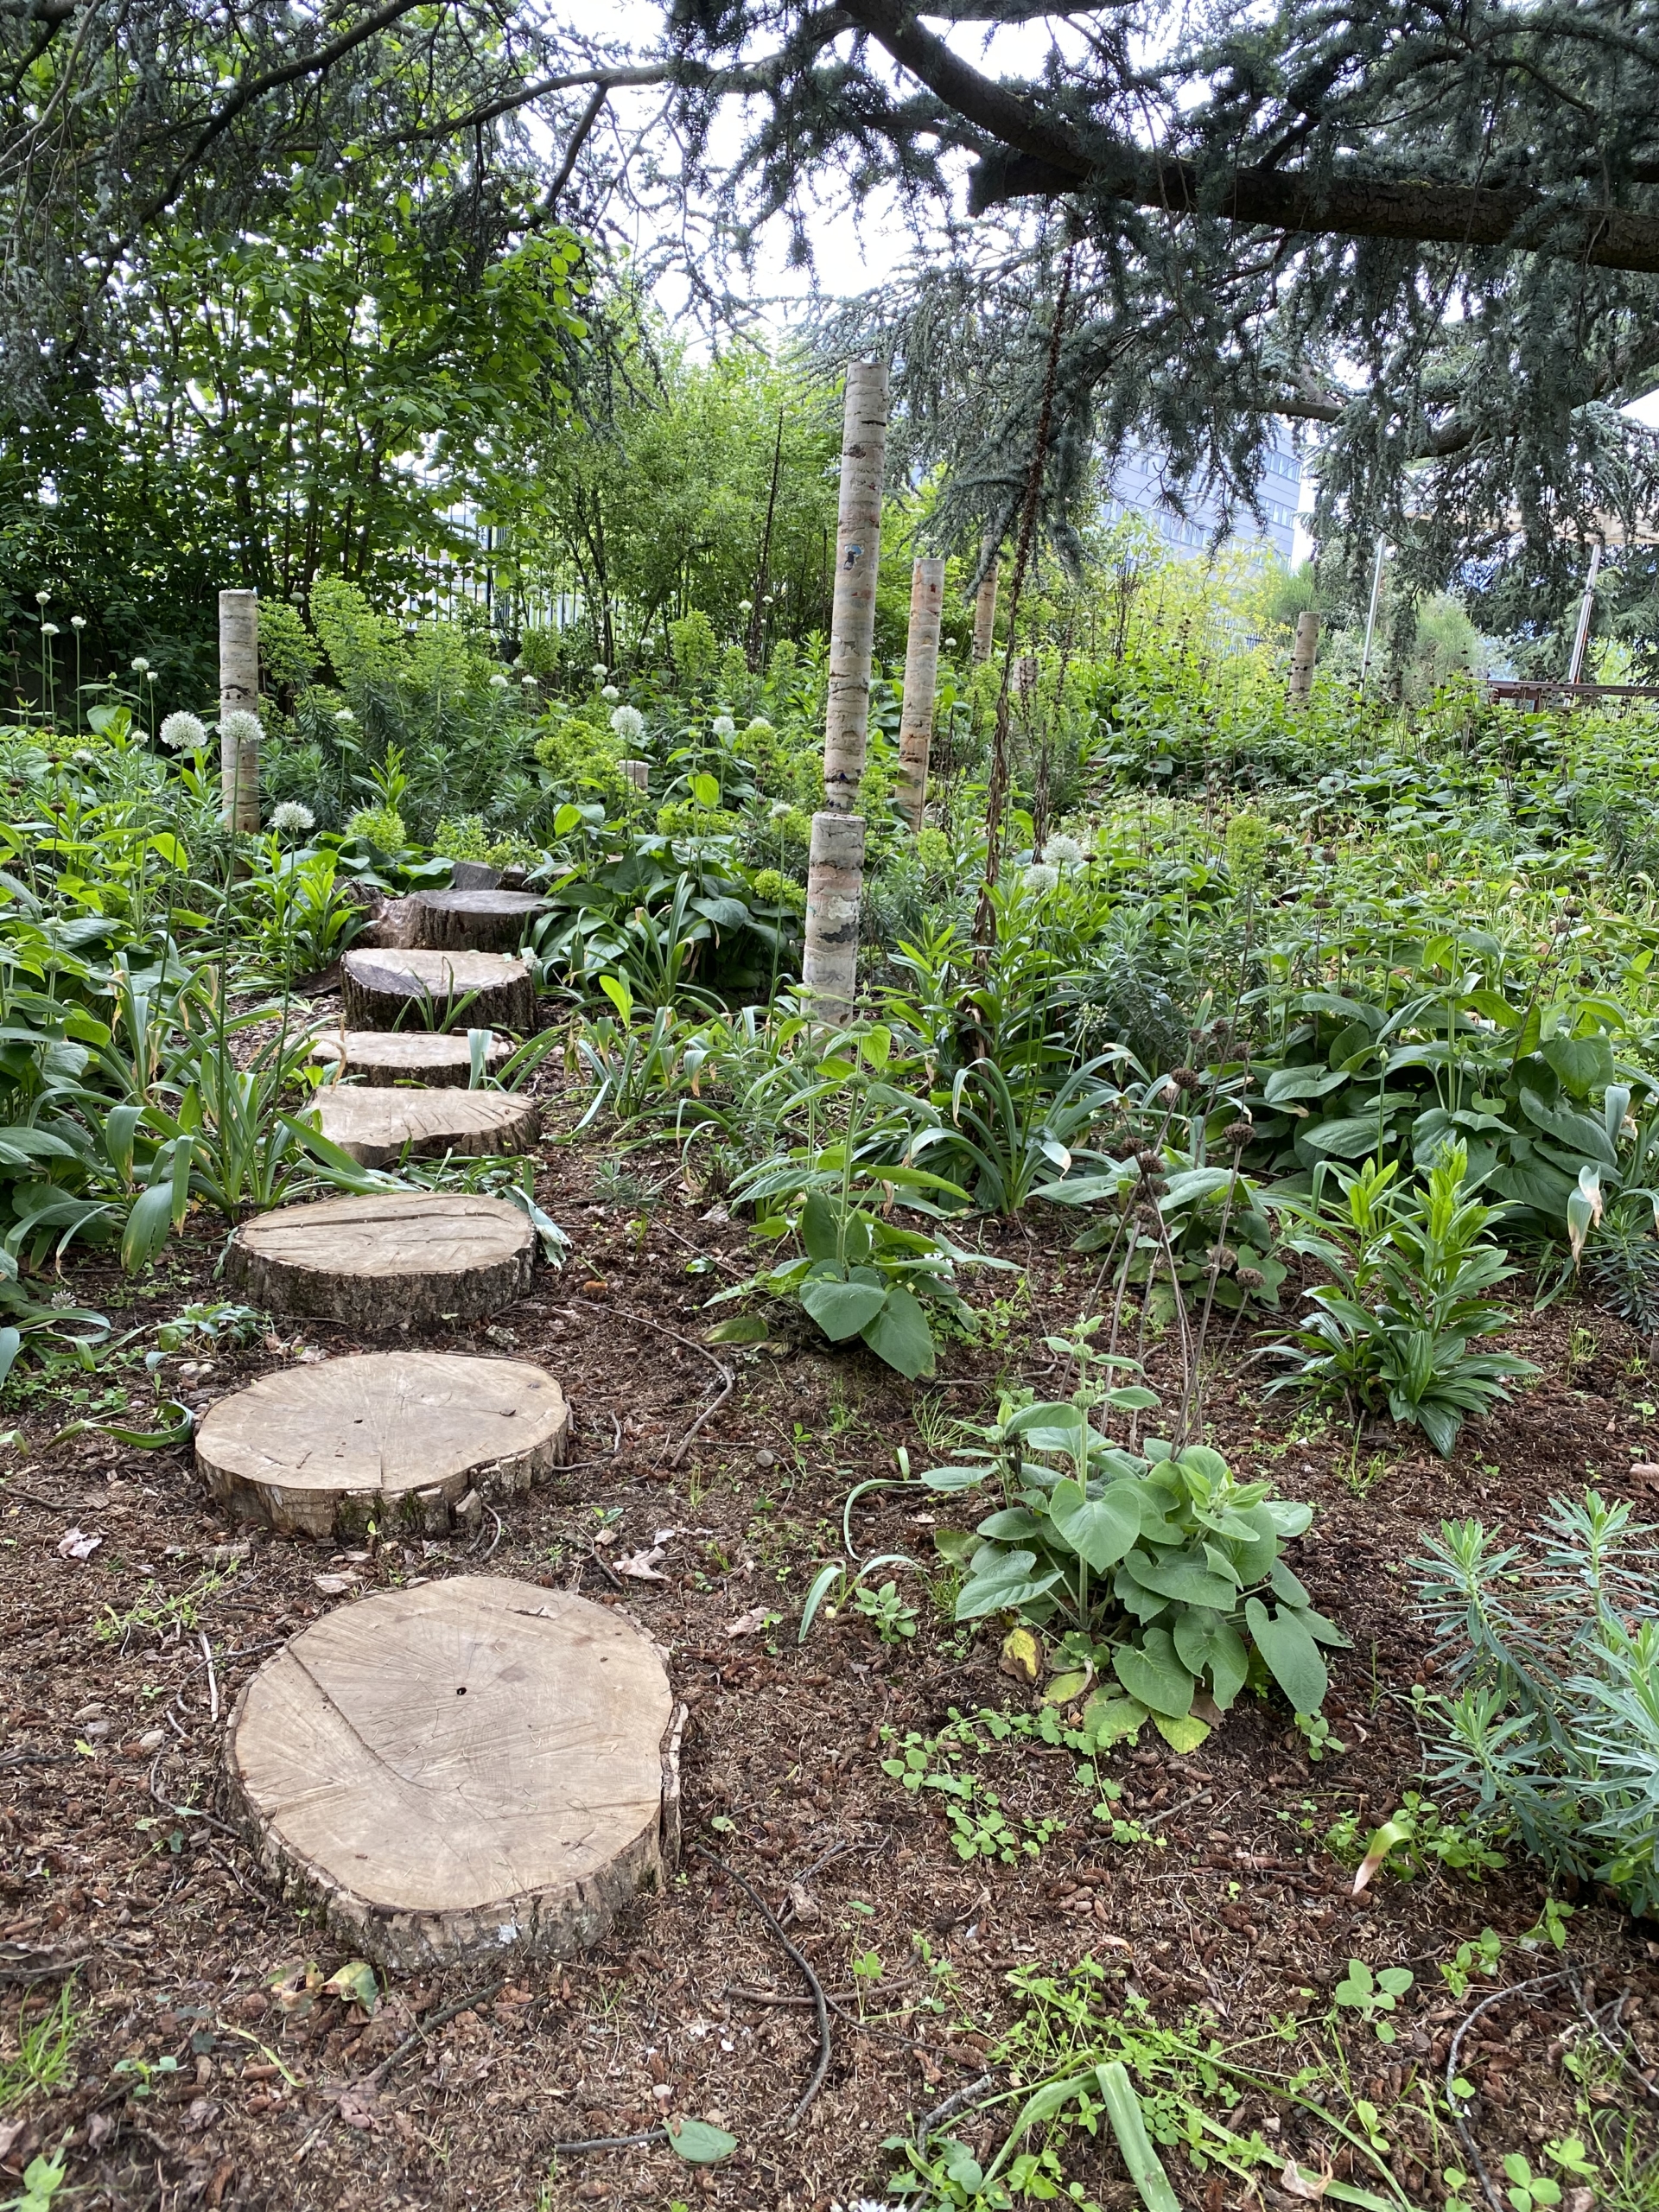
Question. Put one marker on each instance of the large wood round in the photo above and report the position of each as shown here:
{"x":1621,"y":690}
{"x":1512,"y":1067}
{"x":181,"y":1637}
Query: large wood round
{"x":377,"y":1126}
{"x":460,"y":1767}
{"x":415,"y":1436}
{"x":438,"y":1059}
{"x":485,"y":990}
{"x":476,"y":921}
{"x":385,"y":1261}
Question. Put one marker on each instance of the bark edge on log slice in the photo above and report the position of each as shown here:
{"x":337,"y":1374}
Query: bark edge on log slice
{"x":377,"y":1126}
{"x":467,"y":1767}
{"x":495,"y":989}
{"x":433,"y":1058}
{"x":386,"y":1259}
{"x":418,"y":1438}
{"x":475,"y":921}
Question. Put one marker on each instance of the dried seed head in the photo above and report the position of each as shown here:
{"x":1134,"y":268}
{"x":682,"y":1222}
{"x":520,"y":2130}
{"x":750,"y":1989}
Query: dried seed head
{"x":1251,"y":1279}
{"x":1240,"y":1132}
{"x":1187,"y":1079}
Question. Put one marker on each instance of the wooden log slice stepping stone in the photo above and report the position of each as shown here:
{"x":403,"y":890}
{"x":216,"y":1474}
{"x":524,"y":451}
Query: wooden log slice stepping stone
{"x":387,"y":1260}
{"x":460,"y":1767}
{"x":420,"y":1438}
{"x":475,"y":921}
{"x":439,"y":1059}
{"x":484,"y":990}
{"x":376,"y":1126}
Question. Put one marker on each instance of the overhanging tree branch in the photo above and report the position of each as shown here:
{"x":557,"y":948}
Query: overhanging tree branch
{"x":1042,"y":155}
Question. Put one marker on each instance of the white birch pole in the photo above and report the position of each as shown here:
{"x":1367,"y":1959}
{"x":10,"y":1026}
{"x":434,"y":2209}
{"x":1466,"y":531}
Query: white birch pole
{"x":238,"y":690}
{"x":921,"y":684}
{"x":1303,"y":654}
{"x":835,"y":875}
{"x":985,"y":613}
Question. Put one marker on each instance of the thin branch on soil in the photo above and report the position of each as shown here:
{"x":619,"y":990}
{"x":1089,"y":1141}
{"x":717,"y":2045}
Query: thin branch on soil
{"x":728,"y":1380}
{"x":1622,"y":2056}
{"x":213,"y":1679}
{"x":1515,"y":1989}
{"x":806,"y":1966}
{"x":423,"y":2031}
{"x":954,"y":2102}
{"x":609,"y":2142}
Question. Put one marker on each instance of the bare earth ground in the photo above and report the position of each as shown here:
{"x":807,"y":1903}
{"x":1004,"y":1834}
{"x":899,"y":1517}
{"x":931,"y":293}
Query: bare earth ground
{"x":1233,"y":1912}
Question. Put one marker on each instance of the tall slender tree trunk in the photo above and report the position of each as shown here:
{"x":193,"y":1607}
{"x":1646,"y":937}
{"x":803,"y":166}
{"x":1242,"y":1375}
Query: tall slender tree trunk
{"x":238,"y":687}
{"x":835,"y":878}
{"x":1303,"y":654}
{"x":985,"y":610}
{"x":921,"y":684}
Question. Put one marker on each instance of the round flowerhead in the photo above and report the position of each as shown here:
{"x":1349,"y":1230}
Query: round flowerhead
{"x":1064,"y":852}
{"x":42,"y":599}
{"x":498,"y":682}
{"x":758,"y":728}
{"x":183,"y":733}
{"x":77,"y":621}
{"x":291,"y":817}
{"x":723,"y":725}
{"x":599,"y":671}
{"x":629,"y":724}
{"x":239,"y":728}
{"x":529,"y":682}
{"x":48,"y":629}
{"x":745,"y":607}
{"x":610,"y":692}
{"x":344,"y":715}
{"x":1040,"y":877}
{"x":779,"y":809}
{"x":141,"y":666}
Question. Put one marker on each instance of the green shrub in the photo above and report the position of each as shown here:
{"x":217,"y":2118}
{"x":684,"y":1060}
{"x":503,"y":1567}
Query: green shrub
{"x":778,"y":890}
{"x":579,"y":761}
{"x":468,"y":838}
{"x":1412,"y":1269}
{"x":1553,"y":1723}
{"x":380,"y":826}
{"x":1161,"y":1570}
{"x":694,"y":646}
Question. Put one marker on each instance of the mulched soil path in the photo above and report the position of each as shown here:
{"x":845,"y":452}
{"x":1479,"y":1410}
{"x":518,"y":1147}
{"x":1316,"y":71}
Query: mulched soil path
{"x":124,"y":1664}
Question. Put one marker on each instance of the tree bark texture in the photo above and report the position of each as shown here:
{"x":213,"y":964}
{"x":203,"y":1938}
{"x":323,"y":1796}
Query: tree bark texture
{"x":921,"y":684}
{"x":835,"y":889}
{"x":852,"y":615}
{"x":1303,"y":654}
{"x":985,"y":616}
{"x":239,"y":690}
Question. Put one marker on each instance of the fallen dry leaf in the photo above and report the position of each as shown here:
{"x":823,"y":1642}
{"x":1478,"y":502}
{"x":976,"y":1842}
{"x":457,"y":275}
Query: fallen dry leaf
{"x":334,"y":1585}
{"x":803,"y":1907}
{"x":643,"y":1566}
{"x":75,"y":1543}
{"x":1645,"y":1471}
{"x":1310,"y":2188}
{"x":749,"y":1624}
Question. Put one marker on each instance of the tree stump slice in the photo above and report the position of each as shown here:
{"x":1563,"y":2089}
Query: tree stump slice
{"x":440,"y":1059}
{"x":386,"y":1260}
{"x":475,"y":921}
{"x":325,"y":1450}
{"x":454,"y":1770}
{"x":377,"y":1126}
{"x":377,"y":987}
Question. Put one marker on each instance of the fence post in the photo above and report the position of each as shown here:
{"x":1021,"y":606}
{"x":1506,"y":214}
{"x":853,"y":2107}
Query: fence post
{"x":238,"y":690}
{"x":921,"y":684}
{"x":834,"y":878}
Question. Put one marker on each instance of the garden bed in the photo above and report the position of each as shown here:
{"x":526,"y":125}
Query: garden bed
{"x":202,"y":2069}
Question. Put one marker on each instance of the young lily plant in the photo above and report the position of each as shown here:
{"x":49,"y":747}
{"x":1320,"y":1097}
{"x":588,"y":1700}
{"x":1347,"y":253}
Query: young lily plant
{"x":1157,"y":1574}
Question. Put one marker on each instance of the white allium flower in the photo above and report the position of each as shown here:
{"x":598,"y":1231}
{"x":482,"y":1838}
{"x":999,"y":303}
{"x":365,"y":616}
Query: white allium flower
{"x":723,"y":725}
{"x":77,"y":621}
{"x":291,"y":814}
{"x":745,"y":607}
{"x":344,"y":715}
{"x":183,"y":733}
{"x":599,"y":671}
{"x":779,"y":809}
{"x":610,"y":692}
{"x":529,"y":682}
{"x":629,"y":724}
{"x":141,"y":666}
{"x":241,"y":728}
{"x":1040,"y":877}
{"x":42,"y":599}
{"x":82,"y":758}
{"x":1064,"y":852}
{"x":498,"y":682}
{"x":48,"y":629}
{"x":758,"y":728}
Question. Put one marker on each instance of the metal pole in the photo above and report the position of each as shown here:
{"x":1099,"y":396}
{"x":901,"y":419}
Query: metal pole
{"x":1586,"y":607}
{"x":1370,"y":616}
